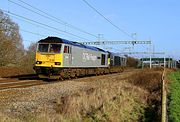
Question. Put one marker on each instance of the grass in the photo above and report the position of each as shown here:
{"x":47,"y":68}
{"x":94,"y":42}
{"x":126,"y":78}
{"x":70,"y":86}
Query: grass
{"x":150,"y":80}
{"x":5,"y":118}
{"x":114,"y":101}
{"x":109,"y":102}
{"x":135,"y":99}
{"x":174,"y":97}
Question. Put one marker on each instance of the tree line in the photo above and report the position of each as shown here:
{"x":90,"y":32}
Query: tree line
{"x":12,"y":52}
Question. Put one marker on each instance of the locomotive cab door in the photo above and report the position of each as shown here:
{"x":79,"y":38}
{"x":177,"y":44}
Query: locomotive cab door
{"x":103,"y":59}
{"x":70,"y":55}
{"x":67,"y":55}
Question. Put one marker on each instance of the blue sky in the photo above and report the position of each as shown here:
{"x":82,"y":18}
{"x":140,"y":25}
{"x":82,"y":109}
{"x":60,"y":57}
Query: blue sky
{"x":158,"y":20}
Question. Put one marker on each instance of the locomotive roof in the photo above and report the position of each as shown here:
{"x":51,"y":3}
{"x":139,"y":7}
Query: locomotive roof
{"x":60,"y":40}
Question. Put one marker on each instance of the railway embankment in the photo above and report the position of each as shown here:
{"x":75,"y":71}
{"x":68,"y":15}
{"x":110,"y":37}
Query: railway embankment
{"x":129,"y":96}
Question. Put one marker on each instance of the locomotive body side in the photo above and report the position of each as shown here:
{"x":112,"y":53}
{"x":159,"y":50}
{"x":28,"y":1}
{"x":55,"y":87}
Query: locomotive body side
{"x":80,"y":57}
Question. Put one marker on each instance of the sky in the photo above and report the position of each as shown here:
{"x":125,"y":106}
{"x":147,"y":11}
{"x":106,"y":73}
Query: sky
{"x":155,"y":20}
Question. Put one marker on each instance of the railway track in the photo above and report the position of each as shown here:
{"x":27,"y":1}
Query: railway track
{"x":15,"y":83}
{"x":33,"y":80}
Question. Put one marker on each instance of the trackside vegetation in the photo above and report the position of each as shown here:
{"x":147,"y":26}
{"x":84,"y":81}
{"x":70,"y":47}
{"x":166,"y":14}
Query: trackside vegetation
{"x":174,"y":97}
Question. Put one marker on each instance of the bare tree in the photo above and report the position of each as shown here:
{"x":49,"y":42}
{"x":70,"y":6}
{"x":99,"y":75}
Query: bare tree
{"x":28,"y":60}
{"x":11,"y":47}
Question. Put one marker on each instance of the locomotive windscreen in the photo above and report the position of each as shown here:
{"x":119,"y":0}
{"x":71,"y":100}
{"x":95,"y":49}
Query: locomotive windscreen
{"x":43,"y":48}
{"x":49,"y":48}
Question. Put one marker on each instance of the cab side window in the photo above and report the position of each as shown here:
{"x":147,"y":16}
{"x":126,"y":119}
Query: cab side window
{"x":67,"y":49}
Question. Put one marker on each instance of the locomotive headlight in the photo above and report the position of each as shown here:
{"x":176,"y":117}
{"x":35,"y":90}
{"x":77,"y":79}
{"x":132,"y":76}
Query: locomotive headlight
{"x":57,"y":63}
{"x":38,"y":62}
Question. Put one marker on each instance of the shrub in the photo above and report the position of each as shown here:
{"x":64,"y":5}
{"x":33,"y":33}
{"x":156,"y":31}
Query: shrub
{"x":132,"y":62}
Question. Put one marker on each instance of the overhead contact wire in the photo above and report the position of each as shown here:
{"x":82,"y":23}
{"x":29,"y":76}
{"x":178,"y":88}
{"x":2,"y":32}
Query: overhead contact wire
{"x":50,"y":17}
{"x":43,"y":24}
{"x":123,"y":31}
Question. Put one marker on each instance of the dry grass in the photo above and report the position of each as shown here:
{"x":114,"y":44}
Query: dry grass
{"x":150,"y":80}
{"x":147,"y":79}
{"x":112,"y":101}
{"x":5,"y":118}
{"x":10,"y":71}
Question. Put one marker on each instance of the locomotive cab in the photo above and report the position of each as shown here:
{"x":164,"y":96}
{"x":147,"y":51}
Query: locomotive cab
{"x":49,"y":58}
{"x":49,"y":54}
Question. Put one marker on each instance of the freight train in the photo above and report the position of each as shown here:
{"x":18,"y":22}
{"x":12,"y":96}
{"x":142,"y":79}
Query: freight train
{"x":60,"y":58}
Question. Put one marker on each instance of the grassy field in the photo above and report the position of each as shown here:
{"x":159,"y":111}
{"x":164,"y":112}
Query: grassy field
{"x":174,"y":97}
